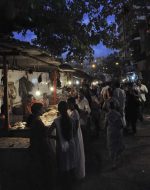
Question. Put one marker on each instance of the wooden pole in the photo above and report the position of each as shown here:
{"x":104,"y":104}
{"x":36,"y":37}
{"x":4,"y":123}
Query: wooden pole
{"x":6,"y":106}
{"x":55,"y":87}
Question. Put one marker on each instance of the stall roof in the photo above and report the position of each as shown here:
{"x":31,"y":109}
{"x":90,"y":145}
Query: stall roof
{"x":24,"y":56}
{"x":81,"y":74}
{"x":76,"y":72}
{"x":66,"y":68}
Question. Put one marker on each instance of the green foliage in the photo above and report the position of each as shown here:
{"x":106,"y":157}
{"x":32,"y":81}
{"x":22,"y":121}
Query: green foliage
{"x":59,"y":24}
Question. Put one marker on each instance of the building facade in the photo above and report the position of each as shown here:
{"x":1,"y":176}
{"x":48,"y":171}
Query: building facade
{"x":134,"y":35}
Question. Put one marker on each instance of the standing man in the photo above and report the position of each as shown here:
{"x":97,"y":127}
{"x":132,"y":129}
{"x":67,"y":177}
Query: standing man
{"x":142,"y":90}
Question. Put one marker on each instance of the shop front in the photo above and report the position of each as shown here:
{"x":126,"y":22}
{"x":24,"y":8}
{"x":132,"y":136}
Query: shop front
{"x":28,"y":75}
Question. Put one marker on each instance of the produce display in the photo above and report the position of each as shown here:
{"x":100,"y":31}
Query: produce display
{"x":19,"y":125}
{"x":49,"y":116}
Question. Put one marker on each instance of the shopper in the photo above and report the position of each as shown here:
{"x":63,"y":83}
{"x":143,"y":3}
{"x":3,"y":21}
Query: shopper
{"x":85,"y":118}
{"x":120,"y":95}
{"x":109,"y":99}
{"x":95,"y":113}
{"x":142,"y":90}
{"x":42,"y":156}
{"x":73,"y":113}
{"x":132,"y":108}
{"x":114,"y":133}
{"x":66,"y":152}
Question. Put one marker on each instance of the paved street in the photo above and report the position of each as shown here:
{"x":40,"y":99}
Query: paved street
{"x":132,"y":174}
{"x":134,"y":171}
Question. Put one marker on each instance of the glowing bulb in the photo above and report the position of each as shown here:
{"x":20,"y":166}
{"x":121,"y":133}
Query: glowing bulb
{"x":77,"y":82}
{"x":93,"y":66}
{"x":37,"y":93}
{"x":117,"y":63}
{"x":69,"y":82}
{"x":133,"y":77}
{"x":51,"y":88}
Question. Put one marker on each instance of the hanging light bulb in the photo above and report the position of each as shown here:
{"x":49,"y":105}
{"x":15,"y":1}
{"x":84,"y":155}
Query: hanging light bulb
{"x":69,"y":82}
{"x":77,"y":82}
{"x":51,"y":88}
{"x":38,"y":93}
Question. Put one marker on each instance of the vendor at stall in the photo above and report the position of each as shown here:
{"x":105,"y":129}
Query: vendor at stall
{"x":30,"y":100}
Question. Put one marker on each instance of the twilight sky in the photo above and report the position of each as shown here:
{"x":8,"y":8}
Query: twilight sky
{"x":99,"y":50}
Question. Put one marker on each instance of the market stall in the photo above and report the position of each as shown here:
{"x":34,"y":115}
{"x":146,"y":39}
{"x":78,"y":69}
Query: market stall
{"x":66,"y":73}
{"x":26,"y":70}
{"x":82,"y":77}
{"x":66,"y":78}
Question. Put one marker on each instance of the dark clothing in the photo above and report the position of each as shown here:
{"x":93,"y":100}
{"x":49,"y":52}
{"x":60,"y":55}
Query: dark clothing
{"x":95,"y":114}
{"x":38,"y":140}
{"x":132,"y":110}
{"x":25,"y":86}
{"x":2,"y":121}
{"x":42,"y":157}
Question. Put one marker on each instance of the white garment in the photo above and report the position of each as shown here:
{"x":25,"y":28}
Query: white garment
{"x":80,"y":170}
{"x":142,"y":91}
{"x":104,"y":92}
{"x":65,"y":150}
{"x":83,"y":105}
{"x":120,"y":95}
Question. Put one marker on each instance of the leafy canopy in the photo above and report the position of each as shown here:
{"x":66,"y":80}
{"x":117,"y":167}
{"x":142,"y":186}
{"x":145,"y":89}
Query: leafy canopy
{"x":71,"y":26}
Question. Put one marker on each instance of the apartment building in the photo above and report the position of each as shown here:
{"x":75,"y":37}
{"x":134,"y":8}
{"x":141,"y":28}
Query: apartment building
{"x":134,"y":34}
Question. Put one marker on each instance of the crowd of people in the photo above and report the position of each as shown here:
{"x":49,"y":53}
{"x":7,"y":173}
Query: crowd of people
{"x":60,"y":147}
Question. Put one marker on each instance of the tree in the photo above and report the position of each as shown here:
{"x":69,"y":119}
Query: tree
{"x":59,"y":24}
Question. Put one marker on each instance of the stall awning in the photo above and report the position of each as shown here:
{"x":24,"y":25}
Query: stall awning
{"x":81,"y":74}
{"x":66,"y":68}
{"x":23,"y":56}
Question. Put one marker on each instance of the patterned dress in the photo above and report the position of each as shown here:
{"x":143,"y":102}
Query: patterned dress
{"x":114,"y":133}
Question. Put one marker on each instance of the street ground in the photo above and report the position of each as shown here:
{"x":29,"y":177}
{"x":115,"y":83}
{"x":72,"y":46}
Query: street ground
{"x":132,"y":173}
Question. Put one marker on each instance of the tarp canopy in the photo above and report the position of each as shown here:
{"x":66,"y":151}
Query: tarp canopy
{"x":23,"y":56}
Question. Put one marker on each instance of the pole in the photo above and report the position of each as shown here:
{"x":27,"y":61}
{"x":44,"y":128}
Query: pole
{"x":6,"y":108}
{"x":55,"y":87}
